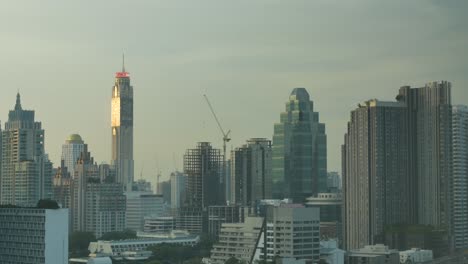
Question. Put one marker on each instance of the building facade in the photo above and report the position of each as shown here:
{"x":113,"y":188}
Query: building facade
{"x":299,"y":150}
{"x":178,"y":187}
{"x":220,"y":214}
{"x":122,"y":129}
{"x":33,"y":236}
{"x":251,"y":172}
{"x":374,"y":168}
{"x":375,"y":254}
{"x":460,"y":176}
{"x":331,"y":206}
{"x":141,"y":205}
{"x":97,"y":206}
{"x":71,"y":151}
{"x":26,"y":172}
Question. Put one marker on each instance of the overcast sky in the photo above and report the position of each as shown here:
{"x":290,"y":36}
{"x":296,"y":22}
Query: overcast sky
{"x":246,"y":55}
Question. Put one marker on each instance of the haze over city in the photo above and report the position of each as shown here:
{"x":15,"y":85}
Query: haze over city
{"x":246,"y":56}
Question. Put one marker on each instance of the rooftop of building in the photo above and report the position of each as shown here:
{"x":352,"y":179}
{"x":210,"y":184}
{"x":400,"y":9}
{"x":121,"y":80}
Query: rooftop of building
{"x":74,"y":138}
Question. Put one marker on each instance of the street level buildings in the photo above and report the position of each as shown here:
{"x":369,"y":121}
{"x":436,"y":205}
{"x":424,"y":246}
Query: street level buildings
{"x":122,"y":129}
{"x":251,"y":172}
{"x":33,"y":236}
{"x":26,"y":172}
{"x":299,"y":150}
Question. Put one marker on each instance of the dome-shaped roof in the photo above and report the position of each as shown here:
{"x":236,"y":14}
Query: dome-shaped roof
{"x":74,"y":138}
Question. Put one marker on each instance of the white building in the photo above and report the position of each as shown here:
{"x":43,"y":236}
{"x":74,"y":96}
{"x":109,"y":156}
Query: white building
{"x":416,"y":255}
{"x":71,"y":152}
{"x":460,"y":176}
{"x":178,"y":186}
{"x":141,"y":205}
{"x":33,"y":236}
{"x":136,"y":249}
{"x":375,"y":254}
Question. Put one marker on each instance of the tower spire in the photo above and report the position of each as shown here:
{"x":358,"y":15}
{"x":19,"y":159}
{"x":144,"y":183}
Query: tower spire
{"x":123,"y":62}
{"x":18,"y":102}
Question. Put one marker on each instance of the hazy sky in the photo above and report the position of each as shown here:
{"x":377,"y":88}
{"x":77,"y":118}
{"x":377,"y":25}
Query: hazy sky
{"x":246,"y":55}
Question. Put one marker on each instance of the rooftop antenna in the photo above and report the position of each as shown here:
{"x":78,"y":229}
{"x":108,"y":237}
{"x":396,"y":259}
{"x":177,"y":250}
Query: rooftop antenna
{"x":123,"y":62}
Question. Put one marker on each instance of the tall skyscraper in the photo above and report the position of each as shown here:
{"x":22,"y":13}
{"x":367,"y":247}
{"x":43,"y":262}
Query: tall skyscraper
{"x":178,"y":187}
{"x":203,"y":167}
{"x":26,"y":172}
{"x":460,"y":176}
{"x":251,"y":172}
{"x":122,"y":128}
{"x":299,"y":150}
{"x":429,"y":123}
{"x":71,"y":151}
{"x":374,"y":172}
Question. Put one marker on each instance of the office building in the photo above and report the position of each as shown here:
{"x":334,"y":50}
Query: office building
{"x":142,"y":186}
{"x":374,"y":170}
{"x":71,"y":151}
{"x":251,"y":172}
{"x":159,"y":224}
{"x":26,"y":172}
{"x":122,"y":129}
{"x":293,"y":232}
{"x":376,"y":254}
{"x":203,"y":167}
{"x":97,"y":206}
{"x":460,"y":176}
{"x":61,"y":186}
{"x":178,"y":187}
{"x":237,"y":240}
{"x":334,"y":181}
{"x":220,"y":214}
{"x":141,"y":205}
{"x":33,"y":236}
{"x":192,"y":219}
{"x":164,"y":189}
{"x":330,"y":205}
{"x":299,"y":150}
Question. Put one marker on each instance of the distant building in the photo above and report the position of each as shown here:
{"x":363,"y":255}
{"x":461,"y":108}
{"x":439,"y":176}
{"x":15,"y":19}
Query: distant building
{"x":203,"y":167}
{"x":178,"y":187}
{"x":238,"y":240}
{"x":192,"y":219}
{"x":141,"y":205}
{"x":220,"y":214}
{"x":251,"y":172}
{"x":159,"y":224}
{"x":71,"y":151}
{"x":26,"y":172}
{"x":460,"y":176}
{"x":122,"y":129}
{"x":164,"y":189}
{"x":97,"y":206}
{"x":33,"y":236}
{"x":299,"y":150}
{"x":330,"y":205}
{"x":330,"y":252}
{"x":142,"y":186}
{"x":61,"y":186}
{"x":415,"y":256}
{"x":334,"y":181}
{"x":377,"y":254}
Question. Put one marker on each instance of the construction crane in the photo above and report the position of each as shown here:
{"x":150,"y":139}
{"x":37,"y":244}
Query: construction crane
{"x":226,"y":139}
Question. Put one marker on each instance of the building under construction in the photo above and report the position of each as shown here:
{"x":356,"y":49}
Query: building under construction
{"x":203,"y":167}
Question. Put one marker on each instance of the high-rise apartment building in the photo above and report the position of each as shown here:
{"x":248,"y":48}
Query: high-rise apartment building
{"x":397,"y":164}
{"x":26,"y":172}
{"x":203,"y":167}
{"x":97,"y":206}
{"x":251,"y":172}
{"x":299,"y":150}
{"x":178,"y":187}
{"x":460,"y":176}
{"x":33,"y":236}
{"x":122,"y":128}
{"x":374,"y":170}
{"x":71,"y":151}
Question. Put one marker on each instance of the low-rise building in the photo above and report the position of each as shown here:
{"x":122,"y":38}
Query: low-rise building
{"x":416,"y":255}
{"x":375,"y":254}
{"x":33,"y":236}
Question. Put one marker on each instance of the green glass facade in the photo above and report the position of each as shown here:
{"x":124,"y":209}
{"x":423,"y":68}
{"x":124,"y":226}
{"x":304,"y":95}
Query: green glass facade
{"x":299,"y":150}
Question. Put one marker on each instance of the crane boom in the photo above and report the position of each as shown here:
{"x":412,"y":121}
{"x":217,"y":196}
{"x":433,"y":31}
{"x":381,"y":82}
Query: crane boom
{"x":215,"y":117}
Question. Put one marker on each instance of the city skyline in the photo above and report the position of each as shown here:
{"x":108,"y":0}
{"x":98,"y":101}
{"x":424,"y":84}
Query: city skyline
{"x":254,"y":67}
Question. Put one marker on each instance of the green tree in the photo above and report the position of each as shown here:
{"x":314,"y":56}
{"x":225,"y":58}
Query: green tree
{"x":232,"y":260}
{"x":79,"y":243}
